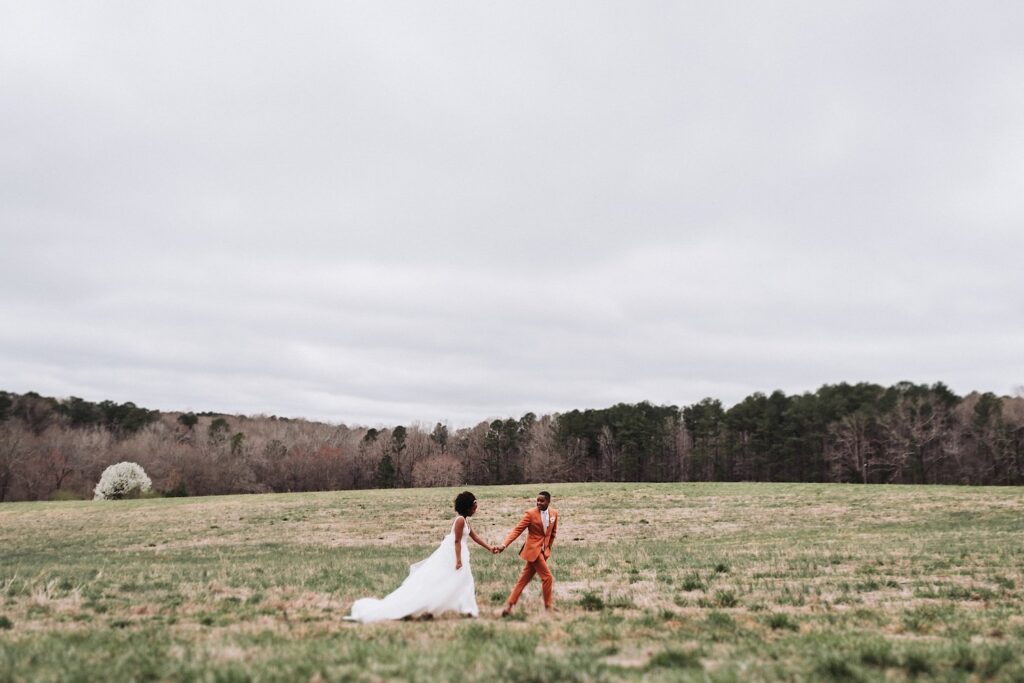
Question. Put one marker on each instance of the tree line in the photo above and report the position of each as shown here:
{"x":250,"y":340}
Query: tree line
{"x":56,"y":448}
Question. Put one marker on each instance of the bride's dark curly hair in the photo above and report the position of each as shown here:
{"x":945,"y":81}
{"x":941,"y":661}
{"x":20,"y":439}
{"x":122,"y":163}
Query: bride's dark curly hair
{"x":464,"y":503}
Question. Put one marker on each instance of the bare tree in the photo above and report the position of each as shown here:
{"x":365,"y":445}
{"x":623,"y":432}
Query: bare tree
{"x":543,"y":461}
{"x":14,"y":451}
{"x":914,"y":434}
{"x":437,"y":470}
{"x":850,"y":448}
{"x":35,"y":412}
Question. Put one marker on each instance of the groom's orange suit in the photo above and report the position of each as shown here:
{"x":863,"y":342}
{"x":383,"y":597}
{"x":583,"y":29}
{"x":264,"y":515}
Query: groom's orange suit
{"x":535,"y":551}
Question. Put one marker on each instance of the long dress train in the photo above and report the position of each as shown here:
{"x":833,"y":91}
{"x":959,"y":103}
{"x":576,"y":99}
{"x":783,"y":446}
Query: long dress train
{"x":432,"y":587}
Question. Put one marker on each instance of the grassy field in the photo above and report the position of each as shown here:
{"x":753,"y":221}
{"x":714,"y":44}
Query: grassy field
{"x":654,"y":582}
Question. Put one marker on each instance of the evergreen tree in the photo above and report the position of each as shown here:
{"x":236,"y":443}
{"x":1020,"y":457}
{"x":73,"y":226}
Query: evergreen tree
{"x":386,"y":472}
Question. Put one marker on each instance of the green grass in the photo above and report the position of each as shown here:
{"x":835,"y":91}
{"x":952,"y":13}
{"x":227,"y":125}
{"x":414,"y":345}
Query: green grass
{"x":654,"y":582}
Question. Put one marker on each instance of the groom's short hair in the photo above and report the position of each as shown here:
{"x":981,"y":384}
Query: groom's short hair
{"x":547,"y":496}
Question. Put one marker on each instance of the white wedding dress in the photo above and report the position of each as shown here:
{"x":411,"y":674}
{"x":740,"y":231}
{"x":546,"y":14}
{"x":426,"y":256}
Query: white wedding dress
{"x":432,"y":587}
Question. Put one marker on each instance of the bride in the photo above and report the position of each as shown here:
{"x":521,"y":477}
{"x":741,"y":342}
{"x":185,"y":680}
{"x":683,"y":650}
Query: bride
{"x":441,"y":583}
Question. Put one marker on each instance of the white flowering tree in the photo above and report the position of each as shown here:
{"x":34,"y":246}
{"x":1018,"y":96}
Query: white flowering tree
{"x":123,"y":480}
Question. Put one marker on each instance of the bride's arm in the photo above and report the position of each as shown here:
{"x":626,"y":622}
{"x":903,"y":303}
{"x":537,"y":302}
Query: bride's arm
{"x":481,"y":542}
{"x":460,"y":525}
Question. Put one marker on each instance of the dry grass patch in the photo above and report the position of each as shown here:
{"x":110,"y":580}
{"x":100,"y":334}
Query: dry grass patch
{"x":659,"y":581}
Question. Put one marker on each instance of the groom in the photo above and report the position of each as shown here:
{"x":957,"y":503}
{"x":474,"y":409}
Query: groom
{"x":542,"y":523}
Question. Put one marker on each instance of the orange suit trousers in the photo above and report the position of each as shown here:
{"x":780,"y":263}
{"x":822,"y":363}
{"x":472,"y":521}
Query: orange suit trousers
{"x":540,"y":568}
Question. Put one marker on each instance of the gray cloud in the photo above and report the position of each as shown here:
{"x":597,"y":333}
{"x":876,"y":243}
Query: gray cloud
{"x":388,"y":212}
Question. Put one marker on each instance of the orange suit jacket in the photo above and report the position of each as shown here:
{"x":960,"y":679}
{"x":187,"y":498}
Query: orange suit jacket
{"x":537,"y":542}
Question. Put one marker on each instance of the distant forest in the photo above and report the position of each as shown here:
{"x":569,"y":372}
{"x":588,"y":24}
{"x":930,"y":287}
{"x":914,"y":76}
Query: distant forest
{"x":53,"y":448}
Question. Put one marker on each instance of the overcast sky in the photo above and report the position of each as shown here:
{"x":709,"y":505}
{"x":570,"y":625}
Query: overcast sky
{"x":381,"y":213}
